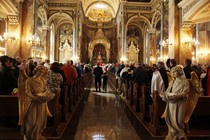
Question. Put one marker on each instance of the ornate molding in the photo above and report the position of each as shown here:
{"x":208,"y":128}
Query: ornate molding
{"x":187,"y":25}
{"x":13,"y":19}
{"x":62,"y":5}
{"x":189,"y":6}
{"x":138,"y":8}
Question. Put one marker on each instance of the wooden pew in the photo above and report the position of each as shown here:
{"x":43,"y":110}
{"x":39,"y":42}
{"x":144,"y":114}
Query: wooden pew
{"x":9,"y":106}
{"x":145,"y":101}
{"x":156,"y":111}
{"x":199,"y":116}
{"x":55,"y":110}
{"x":64,"y":100}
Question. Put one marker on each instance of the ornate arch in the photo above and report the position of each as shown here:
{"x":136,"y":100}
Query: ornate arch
{"x":42,"y":14}
{"x":105,"y":42}
{"x":156,"y":18}
{"x":140,"y":17}
{"x":58,"y":14}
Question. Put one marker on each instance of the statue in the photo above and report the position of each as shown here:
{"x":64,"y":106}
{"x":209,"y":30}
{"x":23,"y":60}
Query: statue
{"x":36,"y":112}
{"x":176,"y":96}
{"x":65,"y":51}
{"x":181,"y":97}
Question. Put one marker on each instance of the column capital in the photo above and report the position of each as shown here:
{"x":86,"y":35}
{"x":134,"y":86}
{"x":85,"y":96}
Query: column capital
{"x":45,"y":27}
{"x":152,"y":30}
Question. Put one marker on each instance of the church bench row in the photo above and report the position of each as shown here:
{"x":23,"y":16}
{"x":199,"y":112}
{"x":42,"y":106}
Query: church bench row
{"x":151,"y":109}
{"x":60,"y":108}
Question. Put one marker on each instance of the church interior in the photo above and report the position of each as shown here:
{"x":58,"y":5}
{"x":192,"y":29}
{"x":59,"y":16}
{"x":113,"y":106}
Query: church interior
{"x":106,"y":31}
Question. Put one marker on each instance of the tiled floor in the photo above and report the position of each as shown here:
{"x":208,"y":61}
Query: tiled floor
{"x":103,"y":118}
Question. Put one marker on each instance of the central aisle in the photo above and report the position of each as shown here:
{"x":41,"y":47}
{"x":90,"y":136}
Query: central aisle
{"x":104,"y":118}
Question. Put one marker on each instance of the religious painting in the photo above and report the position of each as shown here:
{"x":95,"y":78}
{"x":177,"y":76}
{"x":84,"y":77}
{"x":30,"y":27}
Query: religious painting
{"x":133,"y":31}
{"x":99,"y":12}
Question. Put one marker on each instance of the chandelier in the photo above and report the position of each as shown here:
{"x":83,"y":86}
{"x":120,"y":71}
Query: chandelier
{"x":8,"y":36}
{"x":35,"y":41}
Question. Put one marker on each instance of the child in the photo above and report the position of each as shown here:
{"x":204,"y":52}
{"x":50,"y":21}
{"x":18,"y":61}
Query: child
{"x":105,"y":79}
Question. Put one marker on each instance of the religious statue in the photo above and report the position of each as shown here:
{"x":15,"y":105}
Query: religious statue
{"x":132,"y":53}
{"x":36,"y":112}
{"x":65,"y":51}
{"x":181,"y":97}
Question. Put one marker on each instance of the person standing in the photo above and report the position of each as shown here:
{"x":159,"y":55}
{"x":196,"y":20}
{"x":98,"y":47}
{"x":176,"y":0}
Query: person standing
{"x":98,"y":72}
{"x":105,"y":79}
{"x":139,"y":77}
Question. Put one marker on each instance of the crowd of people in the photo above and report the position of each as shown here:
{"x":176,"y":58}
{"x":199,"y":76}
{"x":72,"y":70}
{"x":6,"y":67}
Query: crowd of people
{"x":176,"y":84}
{"x":172,"y":82}
{"x":35,"y":84}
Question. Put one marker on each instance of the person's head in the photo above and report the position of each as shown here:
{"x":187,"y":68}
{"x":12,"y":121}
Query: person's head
{"x":168,"y":61}
{"x":4,"y":60}
{"x":55,"y":67}
{"x":195,"y":63}
{"x":140,"y":64}
{"x":188,"y":62}
{"x":129,"y":71}
{"x":30,"y":61}
{"x":71,"y":62}
{"x":47,"y":61}
{"x":160,"y":64}
{"x":172,"y":63}
{"x":177,"y":71}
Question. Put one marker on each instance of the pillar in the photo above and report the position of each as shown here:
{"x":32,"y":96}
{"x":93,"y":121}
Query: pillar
{"x":152,"y":46}
{"x":46,"y":42}
{"x":164,"y":26}
{"x":26,"y":29}
{"x":76,"y":33}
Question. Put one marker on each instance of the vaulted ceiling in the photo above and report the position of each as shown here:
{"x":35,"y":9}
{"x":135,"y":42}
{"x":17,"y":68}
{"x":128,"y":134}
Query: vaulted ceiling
{"x":7,"y":8}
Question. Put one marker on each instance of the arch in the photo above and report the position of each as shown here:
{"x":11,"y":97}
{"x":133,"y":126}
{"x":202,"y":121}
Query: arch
{"x":156,"y":18}
{"x":145,"y":19}
{"x":62,"y":22}
{"x":63,"y":14}
{"x":105,"y":42}
{"x":89,"y":6}
{"x":137,"y":25}
{"x":43,"y":15}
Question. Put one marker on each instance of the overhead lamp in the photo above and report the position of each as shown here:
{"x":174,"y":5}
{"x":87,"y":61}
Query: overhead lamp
{"x":165,"y":43}
{"x":35,"y":40}
{"x":8,"y":36}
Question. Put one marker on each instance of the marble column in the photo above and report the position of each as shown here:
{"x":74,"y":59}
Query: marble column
{"x":185,"y":43}
{"x":164,"y":25}
{"x":46,"y":41}
{"x":123,"y":32}
{"x":152,"y":46}
{"x":76,"y":30}
{"x":174,"y":30}
{"x":27,"y":21}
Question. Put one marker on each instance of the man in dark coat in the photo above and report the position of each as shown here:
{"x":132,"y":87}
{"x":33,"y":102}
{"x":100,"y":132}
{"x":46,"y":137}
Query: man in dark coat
{"x":140,"y":77}
{"x":98,"y":72}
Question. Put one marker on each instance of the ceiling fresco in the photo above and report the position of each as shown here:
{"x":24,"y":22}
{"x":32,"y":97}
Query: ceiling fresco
{"x":99,"y":12}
